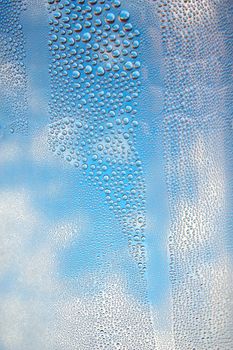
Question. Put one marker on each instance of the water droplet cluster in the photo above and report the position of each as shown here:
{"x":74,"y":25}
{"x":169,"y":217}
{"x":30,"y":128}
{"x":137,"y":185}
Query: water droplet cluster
{"x":13,"y":80}
{"x":195,"y":120}
{"x":95,"y":83}
{"x":111,"y":319}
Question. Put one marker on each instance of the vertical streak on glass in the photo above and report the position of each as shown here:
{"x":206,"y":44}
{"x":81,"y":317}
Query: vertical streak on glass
{"x":196,"y":122}
{"x":13,"y":81}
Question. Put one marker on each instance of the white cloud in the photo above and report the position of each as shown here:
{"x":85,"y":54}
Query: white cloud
{"x":10,"y":152}
{"x":28,"y":269}
{"x":18,"y":220}
{"x":110,"y":318}
{"x":40,"y":153}
{"x":63,"y":233}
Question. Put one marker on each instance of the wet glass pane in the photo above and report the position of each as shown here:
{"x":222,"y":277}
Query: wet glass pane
{"x":116,"y":174}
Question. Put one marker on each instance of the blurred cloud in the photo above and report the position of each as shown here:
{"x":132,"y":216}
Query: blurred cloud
{"x":40,"y":153}
{"x":10,"y":151}
{"x":17,"y":219}
{"x":28,"y":271}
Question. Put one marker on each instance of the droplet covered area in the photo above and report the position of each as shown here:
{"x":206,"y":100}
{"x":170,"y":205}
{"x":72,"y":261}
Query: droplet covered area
{"x":196,"y":129}
{"x":95,"y":83}
{"x":13,"y":80}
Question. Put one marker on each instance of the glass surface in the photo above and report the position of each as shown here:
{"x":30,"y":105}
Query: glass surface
{"x":116,"y":174}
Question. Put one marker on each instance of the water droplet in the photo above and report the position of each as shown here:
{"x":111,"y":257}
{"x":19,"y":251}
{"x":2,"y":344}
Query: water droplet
{"x":124,"y":16}
{"x":76,"y":74}
{"x":110,"y":18}
{"x":86,"y":37}
{"x":100,"y":71}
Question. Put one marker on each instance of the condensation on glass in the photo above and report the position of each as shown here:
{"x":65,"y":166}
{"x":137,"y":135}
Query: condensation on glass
{"x":116,"y":174}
